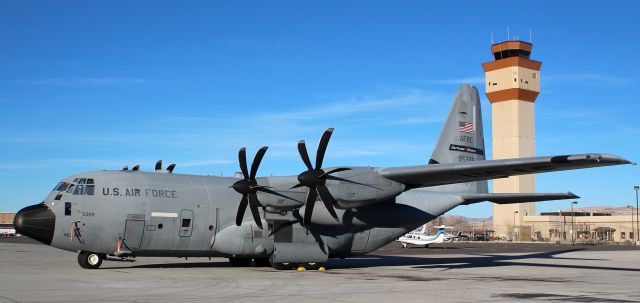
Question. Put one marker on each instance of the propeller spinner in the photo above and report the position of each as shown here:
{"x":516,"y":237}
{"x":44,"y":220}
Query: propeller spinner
{"x":248,"y":186}
{"x":315,"y":177}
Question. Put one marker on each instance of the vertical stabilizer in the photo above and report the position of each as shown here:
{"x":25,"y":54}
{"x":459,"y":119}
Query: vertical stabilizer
{"x":462,"y":138}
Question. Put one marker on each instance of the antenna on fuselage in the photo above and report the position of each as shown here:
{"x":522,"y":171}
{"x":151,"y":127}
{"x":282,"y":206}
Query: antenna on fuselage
{"x":125,"y":167}
{"x":168,"y":170}
{"x":136,"y":168}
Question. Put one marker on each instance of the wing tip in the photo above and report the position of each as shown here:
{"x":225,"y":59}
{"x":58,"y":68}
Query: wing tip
{"x":572,"y":195}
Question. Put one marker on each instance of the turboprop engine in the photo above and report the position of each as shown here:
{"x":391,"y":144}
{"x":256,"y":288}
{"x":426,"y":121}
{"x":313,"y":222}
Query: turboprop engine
{"x":360,"y":186}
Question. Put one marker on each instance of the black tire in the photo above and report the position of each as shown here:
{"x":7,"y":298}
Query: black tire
{"x":282,"y":266}
{"x":261,"y":262}
{"x":312,"y":265}
{"x":90,"y":260}
{"x":239,"y":262}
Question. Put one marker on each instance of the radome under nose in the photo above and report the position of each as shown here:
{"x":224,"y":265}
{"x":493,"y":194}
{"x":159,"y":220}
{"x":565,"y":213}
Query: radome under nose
{"x":36,"y":222}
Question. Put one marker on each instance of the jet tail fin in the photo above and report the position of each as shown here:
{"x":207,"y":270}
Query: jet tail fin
{"x":462,"y":139}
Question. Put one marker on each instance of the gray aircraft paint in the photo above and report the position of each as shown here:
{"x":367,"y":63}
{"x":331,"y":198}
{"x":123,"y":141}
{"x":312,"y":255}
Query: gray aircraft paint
{"x":457,"y":146}
{"x":146,"y":211}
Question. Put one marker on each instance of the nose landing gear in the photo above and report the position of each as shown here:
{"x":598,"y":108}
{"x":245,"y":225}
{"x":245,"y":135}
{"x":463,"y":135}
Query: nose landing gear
{"x":90,"y":260}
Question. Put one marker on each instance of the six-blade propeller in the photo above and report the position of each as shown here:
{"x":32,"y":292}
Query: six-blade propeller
{"x":315,"y":178}
{"x":248,"y":186}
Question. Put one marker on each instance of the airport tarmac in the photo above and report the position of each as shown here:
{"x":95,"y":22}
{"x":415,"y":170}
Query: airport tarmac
{"x":458,"y":273}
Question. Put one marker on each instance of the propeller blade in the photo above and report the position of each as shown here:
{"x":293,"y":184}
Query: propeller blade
{"x":327,"y":199}
{"x":256,"y":162}
{"x":297,"y":185}
{"x":308,"y":209}
{"x":241,"y":208}
{"x":171,"y":167}
{"x":159,"y":165}
{"x":125,"y":167}
{"x":253,"y":204}
{"x":266,"y":189}
{"x":302,"y":149}
{"x":136,"y":168}
{"x":335,"y":170}
{"x":322,"y":147}
{"x":242,"y":158}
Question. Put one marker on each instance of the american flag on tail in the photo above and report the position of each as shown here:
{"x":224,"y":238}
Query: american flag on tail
{"x":465,"y":127}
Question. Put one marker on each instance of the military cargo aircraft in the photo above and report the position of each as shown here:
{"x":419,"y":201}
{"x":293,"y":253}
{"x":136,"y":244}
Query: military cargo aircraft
{"x":324,"y":212}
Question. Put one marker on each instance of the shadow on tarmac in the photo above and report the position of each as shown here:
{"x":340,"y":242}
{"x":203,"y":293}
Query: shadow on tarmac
{"x":469,"y":261}
{"x":422,"y":262}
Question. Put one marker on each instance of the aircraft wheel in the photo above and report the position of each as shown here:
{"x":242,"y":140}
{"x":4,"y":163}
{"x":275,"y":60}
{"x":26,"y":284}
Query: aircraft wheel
{"x":239,"y":262}
{"x":312,"y":265}
{"x":282,"y":266}
{"x":261,"y":262}
{"x":90,"y":260}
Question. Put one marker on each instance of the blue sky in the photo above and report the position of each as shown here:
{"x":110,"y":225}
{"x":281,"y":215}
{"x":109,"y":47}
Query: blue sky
{"x":90,"y":86}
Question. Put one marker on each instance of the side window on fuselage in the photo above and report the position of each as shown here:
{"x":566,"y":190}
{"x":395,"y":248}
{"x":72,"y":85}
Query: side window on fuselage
{"x":67,"y":208}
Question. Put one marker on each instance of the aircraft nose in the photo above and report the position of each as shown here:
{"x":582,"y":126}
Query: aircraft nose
{"x":36,"y":222}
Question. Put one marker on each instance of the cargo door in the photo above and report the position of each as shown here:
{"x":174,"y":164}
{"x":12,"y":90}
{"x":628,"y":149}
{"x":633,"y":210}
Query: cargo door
{"x":133,"y":232}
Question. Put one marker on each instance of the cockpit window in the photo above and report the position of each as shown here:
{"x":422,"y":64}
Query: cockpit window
{"x":79,"y":190}
{"x":89,"y":189}
{"x":62,"y":186}
{"x":80,"y":186}
{"x":70,"y":188}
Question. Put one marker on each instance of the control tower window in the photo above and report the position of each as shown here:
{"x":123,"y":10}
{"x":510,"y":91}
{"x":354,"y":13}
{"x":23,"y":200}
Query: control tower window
{"x":511,"y":53}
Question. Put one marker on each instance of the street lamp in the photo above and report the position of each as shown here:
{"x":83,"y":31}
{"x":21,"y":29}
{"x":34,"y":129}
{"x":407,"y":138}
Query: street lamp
{"x":484,"y":231}
{"x":636,"y":187}
{"x":632,"y":228}
{"x":514,"y":224}
{"x":573,"y":215}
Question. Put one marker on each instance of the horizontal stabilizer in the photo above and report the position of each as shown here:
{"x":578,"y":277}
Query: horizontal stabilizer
{"x":450,"y":173}
{"x":511,"y":198}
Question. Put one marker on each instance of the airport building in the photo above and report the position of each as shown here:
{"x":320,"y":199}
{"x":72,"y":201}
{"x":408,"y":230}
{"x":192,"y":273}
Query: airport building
{"x":6,"y":224}
{"x":578,"y":226}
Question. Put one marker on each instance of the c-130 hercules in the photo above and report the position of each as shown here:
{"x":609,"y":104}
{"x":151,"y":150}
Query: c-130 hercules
{"x":130,"y":213}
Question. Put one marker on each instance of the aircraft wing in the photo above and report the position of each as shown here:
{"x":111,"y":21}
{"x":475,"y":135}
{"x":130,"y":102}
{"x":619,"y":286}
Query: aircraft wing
{"x":509,"y":198}
{"x":450,"y":173}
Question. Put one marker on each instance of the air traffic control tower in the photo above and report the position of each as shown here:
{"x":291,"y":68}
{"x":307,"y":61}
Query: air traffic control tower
{"x":512,"y":86}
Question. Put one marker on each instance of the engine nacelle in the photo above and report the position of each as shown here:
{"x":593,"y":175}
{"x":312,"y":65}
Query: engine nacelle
{"x":246,"y":240}
{"x":282,"y":197}
{"x":362,"y":186}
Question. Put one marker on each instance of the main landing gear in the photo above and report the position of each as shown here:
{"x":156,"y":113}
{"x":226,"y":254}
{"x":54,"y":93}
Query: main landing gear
{"x":90,"y":260}
{"x":263,"y":262}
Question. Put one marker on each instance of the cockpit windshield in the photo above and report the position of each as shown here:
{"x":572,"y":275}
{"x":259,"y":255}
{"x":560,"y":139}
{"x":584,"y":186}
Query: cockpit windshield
{"x":79,"y":186}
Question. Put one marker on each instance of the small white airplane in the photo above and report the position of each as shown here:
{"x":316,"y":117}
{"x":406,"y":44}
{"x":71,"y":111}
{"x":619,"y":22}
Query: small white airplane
{"x":420,"y":238}
{"x":7,"y":232}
